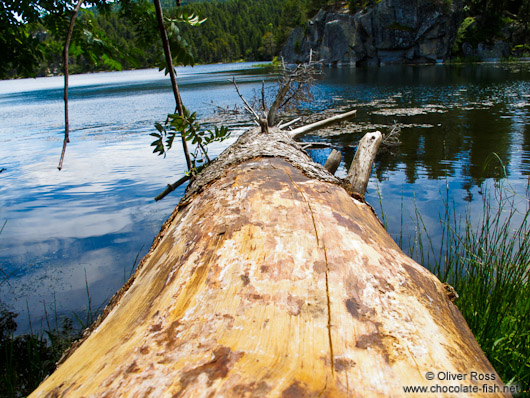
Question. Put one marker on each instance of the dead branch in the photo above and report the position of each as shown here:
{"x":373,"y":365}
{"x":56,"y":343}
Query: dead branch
{"x":284,"y":125}
{"x":247,"y":106}
{"x":361,"y":167}
{"x":171,"y":187}
{"x":333,"y":161}
{"x":391,"y":139}
{"x":295,"y":87}
{"x":316,"y":145}
{"x":282,"y":92}
{"x":66,"y":75}
{"x":322,"y":123}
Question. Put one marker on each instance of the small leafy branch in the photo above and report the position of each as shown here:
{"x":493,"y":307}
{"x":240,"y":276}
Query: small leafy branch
{"x":182,"y":122}
{"x":180,"y":49}
{"x":186,"y":126}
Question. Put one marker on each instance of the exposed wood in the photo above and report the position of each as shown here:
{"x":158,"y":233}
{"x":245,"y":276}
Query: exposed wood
{"x":282,"y":92}
{"x":333,"y":161}
{"x":270,"y":280}
{"x":284,"y":125}
{"x":361,"y":167}
{"x":322,"y":123}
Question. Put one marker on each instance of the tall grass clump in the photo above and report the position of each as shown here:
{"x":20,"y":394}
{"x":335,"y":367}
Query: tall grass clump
{"x":486,"y":258}
{"x":27,"y":359}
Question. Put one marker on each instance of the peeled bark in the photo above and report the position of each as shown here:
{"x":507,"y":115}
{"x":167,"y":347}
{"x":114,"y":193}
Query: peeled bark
{"x":270,"y":280}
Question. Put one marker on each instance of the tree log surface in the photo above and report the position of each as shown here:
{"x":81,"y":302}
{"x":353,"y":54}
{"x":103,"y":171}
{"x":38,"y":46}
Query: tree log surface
{"x":269,"y":281}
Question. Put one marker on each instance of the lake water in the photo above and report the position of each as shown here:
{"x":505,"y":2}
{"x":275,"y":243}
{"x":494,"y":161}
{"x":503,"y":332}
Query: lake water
{"x":86,"y":225}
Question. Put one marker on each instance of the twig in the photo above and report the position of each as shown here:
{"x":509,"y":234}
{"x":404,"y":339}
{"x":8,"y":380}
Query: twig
{"x":322,"y":123}
{"x":171,"y":187}
{"x":66,"y":74}
{"x":316,"y":145}
{"x":263,"y":103}
{"x":282,"y":92}
{"x":392,"y":138}
{"x":294,"y":86}
{"x":247,"y":106}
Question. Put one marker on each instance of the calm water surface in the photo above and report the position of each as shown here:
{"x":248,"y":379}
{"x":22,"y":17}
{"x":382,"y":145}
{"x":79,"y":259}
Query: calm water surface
{"x":87,"y":224}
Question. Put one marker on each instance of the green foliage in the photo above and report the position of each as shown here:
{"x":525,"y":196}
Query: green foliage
{"x":26,"y":28}
{"x":488,"y":266}
{"x":467,"y":32}
{"x":180,"y":50}
{"x":27,"y":359}
{"x":486,"y":260}
{"x":186,"y":126}
{"x":357,"y":5}
{"x":123,"y":34}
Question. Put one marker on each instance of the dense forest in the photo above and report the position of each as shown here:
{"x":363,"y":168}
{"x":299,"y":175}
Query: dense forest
{"x":123,"y":35}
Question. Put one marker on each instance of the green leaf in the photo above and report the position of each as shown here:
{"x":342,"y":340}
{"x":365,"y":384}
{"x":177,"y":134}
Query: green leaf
{"x":159,"y":127}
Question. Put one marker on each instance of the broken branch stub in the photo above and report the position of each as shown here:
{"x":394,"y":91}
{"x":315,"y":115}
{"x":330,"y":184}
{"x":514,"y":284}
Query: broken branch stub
{"x":361,"y":166}
{"x":333,"y":161}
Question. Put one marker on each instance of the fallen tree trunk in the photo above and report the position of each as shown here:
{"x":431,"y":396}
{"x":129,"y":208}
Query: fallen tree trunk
{"x":270,"y":280}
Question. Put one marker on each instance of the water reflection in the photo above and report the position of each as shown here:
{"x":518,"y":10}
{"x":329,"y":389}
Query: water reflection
{"x":98,"y":213}
{"x":453,"y":117}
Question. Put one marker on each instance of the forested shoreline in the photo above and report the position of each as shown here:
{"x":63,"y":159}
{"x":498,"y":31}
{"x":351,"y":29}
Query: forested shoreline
{"x":116,"y":36}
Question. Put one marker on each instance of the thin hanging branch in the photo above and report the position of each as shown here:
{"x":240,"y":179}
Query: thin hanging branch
{"x":247,"y":106}
{"x":65,"y":58}
{"x":172,"y":74}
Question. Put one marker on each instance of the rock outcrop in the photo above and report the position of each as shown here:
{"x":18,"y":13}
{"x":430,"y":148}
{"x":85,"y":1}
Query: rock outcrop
{"x":391,"y":32}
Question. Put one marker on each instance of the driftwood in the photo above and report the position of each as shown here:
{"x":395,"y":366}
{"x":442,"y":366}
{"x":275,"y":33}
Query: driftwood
{"x":361,"y":166}
{"x":270,"y":280}
{"x":333,"y":161}
{"x":322,"y":123}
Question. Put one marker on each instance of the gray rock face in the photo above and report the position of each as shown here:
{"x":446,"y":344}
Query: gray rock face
{"x":487,"y":52}
{"x":393,"y":31}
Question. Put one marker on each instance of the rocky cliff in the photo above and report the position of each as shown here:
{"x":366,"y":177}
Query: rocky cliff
{"x":390,"y":32}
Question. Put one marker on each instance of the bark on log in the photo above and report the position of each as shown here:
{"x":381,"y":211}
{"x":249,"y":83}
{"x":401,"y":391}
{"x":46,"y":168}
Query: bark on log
{"x":270,"y":280}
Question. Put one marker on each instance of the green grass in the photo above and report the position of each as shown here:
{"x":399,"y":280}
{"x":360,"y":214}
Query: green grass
{"x":27,"y":359}
{"x":487,"y":260}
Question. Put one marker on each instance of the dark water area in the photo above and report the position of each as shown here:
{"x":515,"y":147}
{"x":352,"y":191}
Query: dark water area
{"x":87,"y":224}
